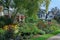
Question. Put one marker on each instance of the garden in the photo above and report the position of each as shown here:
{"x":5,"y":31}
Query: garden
{"x":24,"y":23}
{"x":37,"y":30}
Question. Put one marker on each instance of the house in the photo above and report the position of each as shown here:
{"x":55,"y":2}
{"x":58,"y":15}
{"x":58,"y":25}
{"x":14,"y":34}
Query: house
{"x":41,"y":14}
{"x":50,"y":15}
{"x":56,"y":12}
{"x":44,"y":16}
{"x":4,"y":11}
{"x":11,"y":10}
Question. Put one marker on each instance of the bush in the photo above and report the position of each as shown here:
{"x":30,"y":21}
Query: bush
{"x":57,"y":18}
{"x":42,"y":32}
{"x":27,"y":30}
{"x":51,"y":28}
{"x":56,"y":32}
{"x":2,"y":33}
{"x":30,"y":28}
{"x":4,"y":20}
{"x":54,"y":27}
{"x":9,"y":34}
{"x":48,"y":28}
{"x":6,"y":35}
{"x":2,"y":23}
{"x":41,"y":25}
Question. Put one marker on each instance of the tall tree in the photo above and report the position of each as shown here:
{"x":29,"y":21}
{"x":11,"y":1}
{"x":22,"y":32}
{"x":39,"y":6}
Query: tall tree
{"x":31,"y":6}
{"x":6,"y":3}
{"x":47,"y":4}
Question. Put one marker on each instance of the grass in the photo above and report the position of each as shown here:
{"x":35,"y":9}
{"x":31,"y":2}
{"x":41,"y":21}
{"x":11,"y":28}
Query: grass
{"x":46,"y":36}
{"x":56,"y":32}
{"x":43,"y":37}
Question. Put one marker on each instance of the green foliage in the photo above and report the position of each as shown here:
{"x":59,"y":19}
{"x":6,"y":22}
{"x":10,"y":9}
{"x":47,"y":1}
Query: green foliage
{"x":1,"y":24}
{"x":5,"y":35}
{"x":43,"y":37}
{"x":31,"y":7}
{"x":42,"y":32}
{"x":47,"y":4}
{"x":41,"y":24}
{"x":9,"y":34}
{"x":54,"y":26}
{"x":50,"y":29}
{"x":5,"y":21}
{"x":2,"y":33}
{"x":56,"y":32}
{"x":57,"y":18}
{"x":31,"y":20}
{"x":29,"y":28}
{"x":6,"y":3}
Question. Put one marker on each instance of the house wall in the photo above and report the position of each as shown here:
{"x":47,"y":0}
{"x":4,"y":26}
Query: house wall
{"x":1,"y":11}
{"x":1,"y":14}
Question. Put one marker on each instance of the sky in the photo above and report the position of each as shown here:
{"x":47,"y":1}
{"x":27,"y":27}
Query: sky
{"x":54,"y":3}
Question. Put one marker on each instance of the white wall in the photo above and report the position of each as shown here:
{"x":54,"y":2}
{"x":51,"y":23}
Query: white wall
{"x":1,"y":14}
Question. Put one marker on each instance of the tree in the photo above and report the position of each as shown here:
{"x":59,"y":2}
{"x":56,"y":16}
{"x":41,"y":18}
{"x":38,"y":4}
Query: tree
{"x":27,"y":7}
{"x":31,"y":6}
{"x":6,"y":3}
{"x":47,"y":4}
{"x":56,"y":12}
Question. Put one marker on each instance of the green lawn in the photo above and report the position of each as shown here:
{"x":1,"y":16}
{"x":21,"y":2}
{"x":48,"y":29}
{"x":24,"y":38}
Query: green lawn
{"x":46,"y":36}
{"x":43,"y":37}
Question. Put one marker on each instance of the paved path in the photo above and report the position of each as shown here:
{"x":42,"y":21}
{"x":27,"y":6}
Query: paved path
{"x":57,"y":37}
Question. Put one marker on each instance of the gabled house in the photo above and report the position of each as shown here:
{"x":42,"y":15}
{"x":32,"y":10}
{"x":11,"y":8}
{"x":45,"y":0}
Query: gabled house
{"x":43,"y":15}
{"x":50,"y":15}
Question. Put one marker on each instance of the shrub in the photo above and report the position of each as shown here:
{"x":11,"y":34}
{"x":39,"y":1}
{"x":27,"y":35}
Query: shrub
{"x":2,"y":23}
{"x":48,"y":28}
{"x":54,"y":27}
{"x":41,"y":25}
{"x":2,"y":33}
{"x":42,"y":32}
{"x":30,"y":28}
{"x":56,"y":32}
{"x":4,"y":20}
{"x":57,"y":18}
{"x":9,"y":33}
{"x":27,"y":30}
